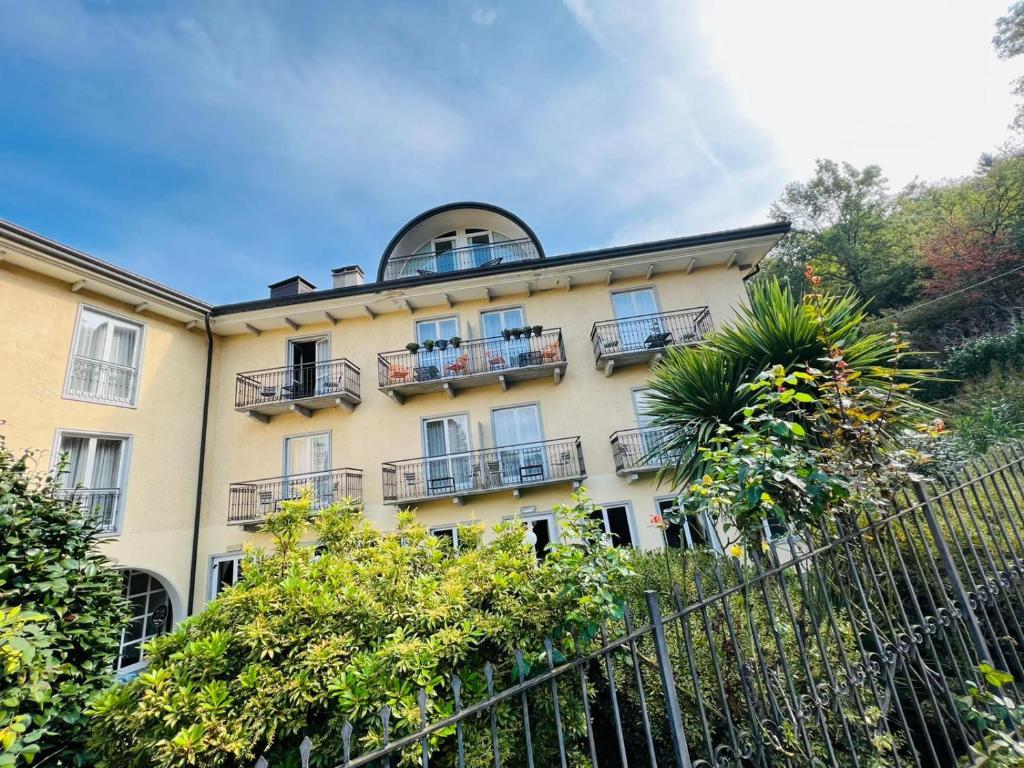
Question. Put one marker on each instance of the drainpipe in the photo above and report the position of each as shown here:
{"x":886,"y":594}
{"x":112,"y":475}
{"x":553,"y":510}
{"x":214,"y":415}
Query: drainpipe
{"x":202,"y":466}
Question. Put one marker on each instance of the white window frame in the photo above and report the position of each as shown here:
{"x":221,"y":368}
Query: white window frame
{"x":168,"y":625}
{"x":136,"y":363}
{"x":630,"y":521}
{"x":635,"y":289}
{"x":123,"y":470}
{"x":712,"y":532}
{"x":212,"y":591}
{"x":528,"y":517}
{"x":453,"y":527}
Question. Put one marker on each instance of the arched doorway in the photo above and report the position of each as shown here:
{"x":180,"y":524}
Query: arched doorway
{"x":151,"y":615}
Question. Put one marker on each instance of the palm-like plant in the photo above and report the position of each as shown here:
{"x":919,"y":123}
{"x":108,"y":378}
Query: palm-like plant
{"x":697,"y":390}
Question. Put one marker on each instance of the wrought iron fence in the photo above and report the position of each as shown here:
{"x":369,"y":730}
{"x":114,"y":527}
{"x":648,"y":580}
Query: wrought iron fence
{"x":100,"y":380}
{"x":850,"y":644}
{"x":480,"y":257}
{"x":489,"y":469}
{"x":329,"y":378}
{"x":100,"y":503}
{"x":253,"y":500}
{"x":489,"y":355}
{"x":650,"y":332}
{"x":637,"y":450}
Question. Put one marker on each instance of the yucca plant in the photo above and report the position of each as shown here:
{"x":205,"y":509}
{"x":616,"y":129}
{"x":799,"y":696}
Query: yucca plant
{"x":696,"y":390}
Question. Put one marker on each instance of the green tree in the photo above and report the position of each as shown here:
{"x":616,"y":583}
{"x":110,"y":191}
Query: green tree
{"x":1009,"y":43}
{"x":61,"y":613}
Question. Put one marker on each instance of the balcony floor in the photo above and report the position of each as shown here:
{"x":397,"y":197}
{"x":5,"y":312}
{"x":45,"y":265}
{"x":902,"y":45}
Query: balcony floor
{"x":498,"y":376}
{"x":477,"y":489}
{"x":610,"y":360}
{"x":301,"y":405}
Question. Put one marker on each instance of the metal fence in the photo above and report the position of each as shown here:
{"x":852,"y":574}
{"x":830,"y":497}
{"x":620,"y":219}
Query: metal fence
{"x":253,"y":501}
{"x":650,"y":333}
{"x":846,"y":645}
{"x":102,"y":504}
{"x":480,"y":256}
{"x":329,"y":378}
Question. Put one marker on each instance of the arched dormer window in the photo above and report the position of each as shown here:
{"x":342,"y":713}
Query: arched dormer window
{"x":459,"y":249}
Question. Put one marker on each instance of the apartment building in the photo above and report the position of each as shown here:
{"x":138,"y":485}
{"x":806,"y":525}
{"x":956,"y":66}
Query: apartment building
{"x":477,"y":377}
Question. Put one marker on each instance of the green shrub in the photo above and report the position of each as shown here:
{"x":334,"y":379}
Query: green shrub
{"x":61,"y":613}
{"x":989,"y":411}
{"x":310,"y":640}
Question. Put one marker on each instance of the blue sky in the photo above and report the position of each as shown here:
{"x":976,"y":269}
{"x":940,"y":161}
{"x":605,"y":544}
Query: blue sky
{"x":220,"y":146}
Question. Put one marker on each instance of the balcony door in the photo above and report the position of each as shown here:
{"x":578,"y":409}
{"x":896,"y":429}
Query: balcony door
{"x":430,"y":365}
{"x":446,"y":445}
{"x":650,"y":436}
{"x":307,"y":462}
{"x":634,"y":309}
{"x":106,"y":359}
{"x":517,"y":434}
{"x":310,"y":371}
{"x":501,"y":353}
{"x":95,"y":474}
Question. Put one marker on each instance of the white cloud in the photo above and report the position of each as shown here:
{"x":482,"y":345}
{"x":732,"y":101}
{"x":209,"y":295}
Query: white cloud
{"x":484,"y":17}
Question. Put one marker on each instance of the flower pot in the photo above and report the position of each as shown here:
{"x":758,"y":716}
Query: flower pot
{"x":441,"y":344}
{"x":428,"y":345}
{"x":537,"y":330}
{"x":413,"y":347}
{"x":527,"y":332}
{"x":455,"y":341}
{"x":506,"y":334}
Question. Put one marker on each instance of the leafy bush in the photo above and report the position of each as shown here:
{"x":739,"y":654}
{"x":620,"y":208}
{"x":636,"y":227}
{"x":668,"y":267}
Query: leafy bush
{"x":312,"y":639}
{"x":61,"y":613}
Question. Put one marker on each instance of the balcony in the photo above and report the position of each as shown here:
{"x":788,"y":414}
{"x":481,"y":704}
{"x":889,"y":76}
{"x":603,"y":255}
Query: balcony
{"x":476,"y":363}
{"x":251,"y":502}
{"x":299,"y":389}
{"x":466,"y":259}
{"x":513,"y":467}
{"x":99,"y":380}
{"x":100,"y":503}
{"x":641,"y":450}
{"x":645,"y":338}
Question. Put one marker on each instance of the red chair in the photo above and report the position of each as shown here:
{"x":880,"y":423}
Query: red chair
{"x":459,"y":366}
{"x":397,"y":374}
{"x":494,"y":360}
{"x":550,"y":353}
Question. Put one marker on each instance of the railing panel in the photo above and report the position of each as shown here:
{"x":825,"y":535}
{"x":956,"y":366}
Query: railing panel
{"x":472,"y":257}
{"x":489,"y":355}
{"x":650,"y":332}
{"x":292,"y":383}
{"x":512,"y":466}
{"x":642,"y":449}
{"x":102,"y":504}
{"x":253,"y":500}
{"x":100,"y":380}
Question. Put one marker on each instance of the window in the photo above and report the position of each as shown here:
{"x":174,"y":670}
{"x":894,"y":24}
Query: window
{"x":461,"y":249}
{"x":150,"y":607}
{"x":310,"y":372}
{"x":636,"y":327}
{"x":634,"y":303}
{"x":438,"y":328}
{"x":692,"y":532}
{"x":493,"y":323}
{"x":95,"y":474}
{"x":225,"y":571}
{"x":450,"y":533}
{"x":517,"y":438}
{"x":615,"y":519}
{"x":446,"y":443}
{"x":105,"y":359}
{"x":307,"y":462}
{"x":775,"y":527}
{"x":540,"y":531}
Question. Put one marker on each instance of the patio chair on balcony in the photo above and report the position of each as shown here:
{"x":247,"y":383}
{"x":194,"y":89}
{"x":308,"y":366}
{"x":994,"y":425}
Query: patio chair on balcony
{"x":495,"y":361}
{"x":550,"y":353}
{"x":658,"y":340}
{"x":459,"y":367}
{"x":425,"y":272}
{"x":491,"y":262}
{"x":493,"y":473}
{"x":268,"y":392}
{"x":398,"y":374}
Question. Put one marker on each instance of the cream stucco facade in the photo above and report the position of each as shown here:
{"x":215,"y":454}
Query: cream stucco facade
{"x":45,"y":287}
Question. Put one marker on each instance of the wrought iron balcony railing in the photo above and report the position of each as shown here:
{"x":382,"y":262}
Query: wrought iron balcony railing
{"x":300,"y":388}
{"x":510,"y":467}
{"x":461,"y":259}
{"x":102,"y":504}
{"x":636,"y":339}
{"x":250,"y":502}
{"x":642,"y":450}
{"x":475,"y":363}
{"x":100,"y":380}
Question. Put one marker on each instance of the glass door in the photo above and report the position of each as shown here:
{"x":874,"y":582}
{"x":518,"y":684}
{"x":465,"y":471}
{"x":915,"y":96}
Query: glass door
{"x":107,"y":351}
{"x":517,"y":434}
{"x":308,"y":463}
{"x":633,"y":310}
{"x":94,"y":465}
{"x":446,"y":445}
{"x":431,"y":364}
{"x":650,"y":436}
{"x":501,"y":353}
{"x":479,"y":242}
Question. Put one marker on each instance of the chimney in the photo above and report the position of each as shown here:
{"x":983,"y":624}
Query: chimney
{"x":346,"y":276}
{"x":291,"y":286}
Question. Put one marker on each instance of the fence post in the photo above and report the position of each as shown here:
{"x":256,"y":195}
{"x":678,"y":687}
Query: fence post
{"x":970,"y":618}
{"x":668,"y":683}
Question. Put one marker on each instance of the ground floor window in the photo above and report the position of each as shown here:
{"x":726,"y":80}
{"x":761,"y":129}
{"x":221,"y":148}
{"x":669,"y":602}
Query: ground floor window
{"x":150,"y":606}
{"x":225,"y":571}
{"x":689,"y":533}
{"x":540,"y":531}
{"x":616,"y":521}
{"x":449,"y":533}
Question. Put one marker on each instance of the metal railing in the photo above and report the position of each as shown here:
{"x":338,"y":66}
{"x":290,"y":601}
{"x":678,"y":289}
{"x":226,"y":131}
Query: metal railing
{"x":855,"y":642}
{"x":650,"y":332}
{"x":461,"y":259}
{"x":101,"y":504}
{"x":100,"y":380}
{"x":642,"y":449}
{"x":490,"y":469}
{"x":253,"y":500}
{"x":490,"y":355}
{"x":296,"y":382}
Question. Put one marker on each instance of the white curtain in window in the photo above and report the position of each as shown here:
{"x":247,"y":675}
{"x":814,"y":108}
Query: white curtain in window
{"x":106,"y":464}
{"x":92,"y":335}
{"x":76,"y":449}
{"x":122,"y":348}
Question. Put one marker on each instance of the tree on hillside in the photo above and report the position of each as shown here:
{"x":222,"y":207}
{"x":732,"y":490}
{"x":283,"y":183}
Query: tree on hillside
{"x":844,"y":226}
{"x":60,"y":619}
{"x":1009,"y":42}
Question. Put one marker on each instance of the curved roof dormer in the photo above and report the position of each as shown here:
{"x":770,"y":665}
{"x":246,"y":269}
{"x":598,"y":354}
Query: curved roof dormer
{"x":458,"y":237}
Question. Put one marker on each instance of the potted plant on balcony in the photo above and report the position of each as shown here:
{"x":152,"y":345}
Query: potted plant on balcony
{"x":506,"y":334}
{"x":441,"y":344}
{"x":527,"y":331}
{"x":537,"y":330}
{"x":413,"y":347}
{"x":517,"y":333}
{"x":455,"y":341}
{"x":428,"y":344}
